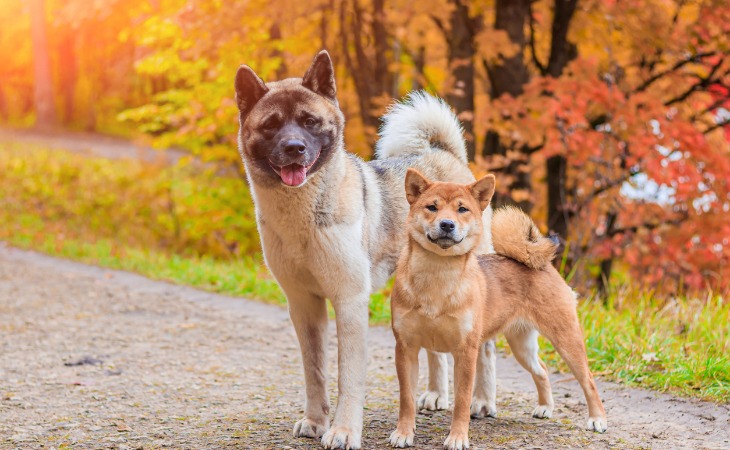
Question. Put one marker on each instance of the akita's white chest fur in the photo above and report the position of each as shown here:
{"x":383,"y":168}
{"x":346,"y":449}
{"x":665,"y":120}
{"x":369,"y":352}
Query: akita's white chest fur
{"x":316,"y":249}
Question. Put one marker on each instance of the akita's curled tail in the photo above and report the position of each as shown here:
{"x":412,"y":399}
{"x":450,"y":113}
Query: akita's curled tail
{"x":418,"y":124}
{"x":515,"y":235}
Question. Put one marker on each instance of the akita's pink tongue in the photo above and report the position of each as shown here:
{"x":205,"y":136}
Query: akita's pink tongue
{"x":293,"y":174}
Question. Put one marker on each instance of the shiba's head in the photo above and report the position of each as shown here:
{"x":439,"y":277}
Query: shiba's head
{"x":289,"y":128}
{"x":446,"y":218}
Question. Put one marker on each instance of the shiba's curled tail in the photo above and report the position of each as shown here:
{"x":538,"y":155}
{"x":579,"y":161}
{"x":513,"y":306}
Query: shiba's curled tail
{"x":418,"y":124}
{"x":515,"y":235}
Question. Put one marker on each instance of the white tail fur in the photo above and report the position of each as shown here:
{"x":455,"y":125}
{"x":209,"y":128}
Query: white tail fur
{"x":418,"y":124}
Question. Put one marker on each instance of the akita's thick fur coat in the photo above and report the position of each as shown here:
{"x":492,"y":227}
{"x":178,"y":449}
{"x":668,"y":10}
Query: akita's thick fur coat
{"x":449,"y":298}
{"x":331,"y":225}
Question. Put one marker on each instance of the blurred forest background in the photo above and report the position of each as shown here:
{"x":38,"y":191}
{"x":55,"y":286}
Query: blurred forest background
{"x":607,"y":120}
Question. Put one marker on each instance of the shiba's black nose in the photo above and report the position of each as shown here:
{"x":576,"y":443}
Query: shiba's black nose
{"x":294,"y":146}
{"x":447,"y":225}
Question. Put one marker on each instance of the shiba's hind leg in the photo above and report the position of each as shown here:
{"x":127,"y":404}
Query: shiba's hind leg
{"x":561,"y":327}
{"x":523,"y":342}
{"x":484,"y":399}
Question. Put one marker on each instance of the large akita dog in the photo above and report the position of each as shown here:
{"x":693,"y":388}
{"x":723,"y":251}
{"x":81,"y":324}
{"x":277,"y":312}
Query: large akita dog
{"x":331,"y":224}
{"x":447,"y":298}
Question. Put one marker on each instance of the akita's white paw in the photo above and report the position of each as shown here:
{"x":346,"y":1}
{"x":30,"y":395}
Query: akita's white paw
{"x":433,"y":401}
{"x":456,"y":441}
{"x":543,"y":412}
{"x":480,"y":408}
{"x":402,"y":438}
{"x":310,"y":428}
{"x":342,"y":437}
{"x":597,"y":424}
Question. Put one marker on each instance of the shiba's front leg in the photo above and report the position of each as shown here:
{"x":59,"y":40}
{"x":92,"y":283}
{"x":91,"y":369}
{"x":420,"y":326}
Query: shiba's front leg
{"x":406,"y":364}
{"x":309,"y":315}
{"x":352,"y":327}
{"x":465,"y":361}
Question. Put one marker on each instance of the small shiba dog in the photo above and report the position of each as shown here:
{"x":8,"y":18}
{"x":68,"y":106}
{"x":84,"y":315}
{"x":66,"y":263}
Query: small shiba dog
{"x":449,"y":298}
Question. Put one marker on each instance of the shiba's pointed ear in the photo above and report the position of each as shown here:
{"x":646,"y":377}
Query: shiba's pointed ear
{"x":416,"y":184}
{"x":320,"y":77}
{"x":249,"y":89}
{"x":483,"y":190}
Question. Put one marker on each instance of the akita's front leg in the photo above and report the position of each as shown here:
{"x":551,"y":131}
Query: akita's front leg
{"x":465,"y":361}
{"x":484,"y":401}
{"x":352,"y":327}
{"x":309,"y":315}
{"x":437,"y":395}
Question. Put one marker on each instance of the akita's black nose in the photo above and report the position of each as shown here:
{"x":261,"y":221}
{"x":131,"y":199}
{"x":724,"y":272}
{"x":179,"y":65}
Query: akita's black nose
{"x":447,"y":225}
{"x":294,"y":146}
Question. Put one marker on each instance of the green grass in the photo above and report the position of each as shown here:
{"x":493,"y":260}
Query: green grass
{"x":197,"y":229}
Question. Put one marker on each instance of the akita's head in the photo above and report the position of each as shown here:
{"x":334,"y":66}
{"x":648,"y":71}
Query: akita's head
{"x":289,"y":128}
{"x":446,"y":218}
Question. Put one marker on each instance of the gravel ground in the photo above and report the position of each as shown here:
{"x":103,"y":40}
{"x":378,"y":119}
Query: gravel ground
{"x":93,"y":358}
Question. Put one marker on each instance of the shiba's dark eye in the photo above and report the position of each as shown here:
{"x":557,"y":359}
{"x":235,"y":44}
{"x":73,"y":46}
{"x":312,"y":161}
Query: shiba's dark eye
{"x":462,"y":209}
{"x":310,"y":122}
{"x":432,"y":208}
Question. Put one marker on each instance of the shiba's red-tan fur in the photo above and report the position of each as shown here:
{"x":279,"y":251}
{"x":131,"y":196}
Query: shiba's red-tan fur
{"x":453,"y":300}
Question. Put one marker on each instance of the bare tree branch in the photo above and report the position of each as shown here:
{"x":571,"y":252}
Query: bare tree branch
{"x":540,"y":66}
{"x":692,"y":59}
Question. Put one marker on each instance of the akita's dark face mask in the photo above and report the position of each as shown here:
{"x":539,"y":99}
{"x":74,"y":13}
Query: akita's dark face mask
{"x":289,"y":129}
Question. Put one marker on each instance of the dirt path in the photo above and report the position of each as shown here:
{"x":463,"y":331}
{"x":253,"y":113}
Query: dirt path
{"x":91,"y":144}
{"x":173,"y":367}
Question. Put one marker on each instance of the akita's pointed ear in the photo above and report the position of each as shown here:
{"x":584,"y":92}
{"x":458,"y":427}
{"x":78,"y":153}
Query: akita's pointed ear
{"x":416,"y":184}
{"x":483,"y":190}
{"x":249,"y":89}
{"x":320,"y":77}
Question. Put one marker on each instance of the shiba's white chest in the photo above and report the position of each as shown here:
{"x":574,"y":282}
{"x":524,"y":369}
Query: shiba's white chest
{"x":444,"y":333}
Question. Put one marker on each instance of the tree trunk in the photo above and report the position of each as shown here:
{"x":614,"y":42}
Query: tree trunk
{"x":419,"y":66}
{"x":509,"y":77}
{"x":561,"y":53}
{"x":44,"y":101}
{"x":368,"y":68}
{"x":462,"y":32}
{"x":604,"y":277}
{"x":557,"y":215}
{"x":275,"y":35}
{"x":68,"y":73}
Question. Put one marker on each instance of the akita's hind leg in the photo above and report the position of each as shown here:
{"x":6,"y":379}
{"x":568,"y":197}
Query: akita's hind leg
{"x":309,"y":315}
{"x":437,"y":395}
{"x":484,"y":399}
{"x":562,"y":328}
{"x":523,"y":342}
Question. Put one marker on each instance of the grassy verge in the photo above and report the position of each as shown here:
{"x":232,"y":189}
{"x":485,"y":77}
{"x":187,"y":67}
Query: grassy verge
{"x":195,"y":228}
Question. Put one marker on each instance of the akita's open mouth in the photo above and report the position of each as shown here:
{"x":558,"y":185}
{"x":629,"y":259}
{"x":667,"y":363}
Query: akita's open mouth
{"x":444,"y":241}
{"x":293,"y":175}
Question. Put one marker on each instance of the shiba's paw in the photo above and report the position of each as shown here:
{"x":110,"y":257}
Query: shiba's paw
{"x":597,"y":424}
{"x":433,"y":401}
{"x":341,"y":437}
{"x":543,"y":412}
{"x":456,"y":441}
{"x":481,"y":408}
{"x":402,"y":437}
{"x":309,"y":428}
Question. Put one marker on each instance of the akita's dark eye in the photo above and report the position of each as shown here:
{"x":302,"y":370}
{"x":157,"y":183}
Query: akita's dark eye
{"x":463,"y":210}
{"x":432,"y":208}
{"x":310,"y":122}
{"x":271,"y":123}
